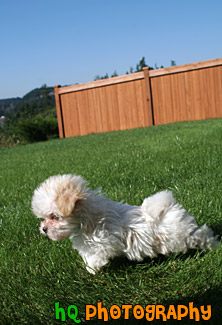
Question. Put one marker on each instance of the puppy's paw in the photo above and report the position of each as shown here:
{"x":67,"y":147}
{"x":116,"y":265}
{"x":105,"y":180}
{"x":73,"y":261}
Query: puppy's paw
{"x":90,"y":270}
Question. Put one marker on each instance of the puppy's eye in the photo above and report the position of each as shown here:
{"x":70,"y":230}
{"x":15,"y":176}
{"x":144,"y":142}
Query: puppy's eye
{"x":53,"y":217}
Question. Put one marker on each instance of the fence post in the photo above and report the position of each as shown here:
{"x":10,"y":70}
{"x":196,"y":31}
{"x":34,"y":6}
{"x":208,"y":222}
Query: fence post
{"x":148,"y":96}
{"x":59,"y":112}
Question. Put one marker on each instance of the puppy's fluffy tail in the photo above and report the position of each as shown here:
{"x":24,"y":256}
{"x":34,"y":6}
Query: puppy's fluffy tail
{"x":158,"y":204}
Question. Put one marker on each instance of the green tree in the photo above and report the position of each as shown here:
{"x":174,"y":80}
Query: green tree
{"x":115,"y":74}
{"x":45,"y":99}
{"x":141,"y":65}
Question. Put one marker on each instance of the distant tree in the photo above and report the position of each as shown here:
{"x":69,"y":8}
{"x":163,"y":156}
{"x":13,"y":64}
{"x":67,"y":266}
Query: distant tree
{"x":45,"y":99}
{"x":106,"y":76}
{"x":115,"y":74}
{"x":130,"y":71}
{"x":98,"y":77}
{"x":141,"y":65}
{"x":155,"y":65}
{"x":26,"y":111}
{"x":172,"y":63}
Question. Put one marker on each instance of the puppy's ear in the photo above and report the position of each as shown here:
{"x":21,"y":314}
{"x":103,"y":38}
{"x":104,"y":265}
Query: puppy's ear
{"x":66,"y":202}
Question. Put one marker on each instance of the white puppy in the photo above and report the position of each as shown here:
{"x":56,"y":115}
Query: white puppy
{"x":101,"y":229}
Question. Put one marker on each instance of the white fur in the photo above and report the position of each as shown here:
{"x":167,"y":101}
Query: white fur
{"x":101,"y":229}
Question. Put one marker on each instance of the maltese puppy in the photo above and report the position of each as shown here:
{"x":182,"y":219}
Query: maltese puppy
{"x":101,"y":229}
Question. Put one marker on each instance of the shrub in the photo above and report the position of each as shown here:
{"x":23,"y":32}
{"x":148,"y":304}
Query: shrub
{"x":38,"y":129}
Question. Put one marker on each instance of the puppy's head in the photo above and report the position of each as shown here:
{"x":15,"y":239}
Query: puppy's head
{"x":54,"y":201}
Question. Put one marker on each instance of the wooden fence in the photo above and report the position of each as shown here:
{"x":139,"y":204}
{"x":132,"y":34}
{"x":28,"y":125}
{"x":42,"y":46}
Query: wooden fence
{"x":151,"y":97}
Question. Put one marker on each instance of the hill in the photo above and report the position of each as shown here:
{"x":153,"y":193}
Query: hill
{"x":28,"y":119}
{"x":36,"y":97}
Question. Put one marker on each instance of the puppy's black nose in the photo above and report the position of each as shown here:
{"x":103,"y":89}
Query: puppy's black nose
{"x":44,"y":229}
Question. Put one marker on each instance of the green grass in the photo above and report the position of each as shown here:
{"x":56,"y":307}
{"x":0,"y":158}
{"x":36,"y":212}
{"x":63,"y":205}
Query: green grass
{"x":129,"y":165}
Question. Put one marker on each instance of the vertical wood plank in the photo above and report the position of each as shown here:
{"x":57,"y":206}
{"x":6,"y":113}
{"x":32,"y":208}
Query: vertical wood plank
{"x":168,"y":104}
{"x":121,"y":103}
{"x":145,"y":122}
{"x":139,"y":104}
{"x":204,"y":101}
{"x":218,"y":90}
{"x":135,"y":104}
{"x":59,"y":112}
{"x":175,"y":98}
{"x":197,"y":112}
{"x":97,"y":107}
{"x":158,"y":99}
{"x":104,"y":124}
{"x":182,"y":110}
{"x":115,"y":107}
{"x":92,"y":111}
{"x":73,"y":116}
{"x":189,"y":95}
{"x":148,"y":95}
{"x":211,"y":93}
{"x":82,"y":104}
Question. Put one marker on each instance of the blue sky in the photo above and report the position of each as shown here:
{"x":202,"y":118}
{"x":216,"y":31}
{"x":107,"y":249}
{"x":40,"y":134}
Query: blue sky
{"x":68,"y":41}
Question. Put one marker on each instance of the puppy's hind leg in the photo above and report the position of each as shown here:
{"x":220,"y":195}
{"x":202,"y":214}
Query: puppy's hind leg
{"x":203,"y":238}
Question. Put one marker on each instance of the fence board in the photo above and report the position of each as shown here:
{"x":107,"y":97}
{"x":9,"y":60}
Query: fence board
{"x":92,"y":111}
{"x":169,"y":116}
{"x":182,"y":114}
{"x":157,"y":87}
{"x":212,"y":88}
{"x":175,"y":97}
{"x":134,"y":108}
{"x":204,"y":93}
{"x":196,"y":109}
{"x":142,"y":119}
{"x":98,"y":113}
{"x":218,"y":88}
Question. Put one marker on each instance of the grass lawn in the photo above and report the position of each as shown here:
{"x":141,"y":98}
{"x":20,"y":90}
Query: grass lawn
{"x":35,"y":272}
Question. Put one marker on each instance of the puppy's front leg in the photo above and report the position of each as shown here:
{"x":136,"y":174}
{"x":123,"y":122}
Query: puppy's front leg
{"x":94,"y":262}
